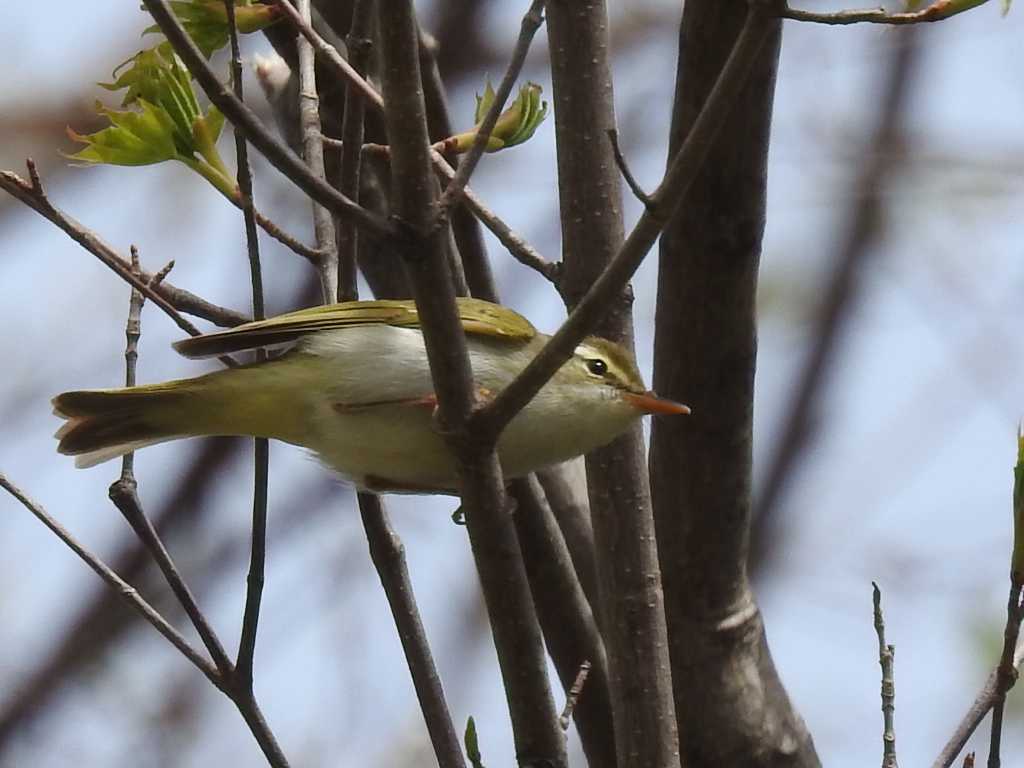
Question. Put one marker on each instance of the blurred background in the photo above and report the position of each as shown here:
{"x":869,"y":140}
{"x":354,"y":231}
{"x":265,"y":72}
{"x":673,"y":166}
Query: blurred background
{"x":906,"y":480}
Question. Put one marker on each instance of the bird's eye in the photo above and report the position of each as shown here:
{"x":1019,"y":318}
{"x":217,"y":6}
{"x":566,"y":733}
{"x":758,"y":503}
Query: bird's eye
{"x":597,"y":366}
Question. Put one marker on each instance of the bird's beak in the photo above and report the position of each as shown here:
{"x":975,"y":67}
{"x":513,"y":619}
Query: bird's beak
{"x":648,"y":402}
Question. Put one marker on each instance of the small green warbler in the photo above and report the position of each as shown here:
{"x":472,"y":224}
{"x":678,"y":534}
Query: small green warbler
{"x":355,"y":388}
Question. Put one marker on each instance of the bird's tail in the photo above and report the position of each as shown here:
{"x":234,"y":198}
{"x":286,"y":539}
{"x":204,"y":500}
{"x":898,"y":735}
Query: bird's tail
{"x":106,"y":423}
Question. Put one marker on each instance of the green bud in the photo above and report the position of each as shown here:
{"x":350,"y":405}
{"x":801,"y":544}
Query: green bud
{"x":514,"y":126}
{"x":472,"y":748}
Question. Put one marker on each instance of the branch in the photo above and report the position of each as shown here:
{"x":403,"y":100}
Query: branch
{"x":243,"y":678}
{"x":244,"y":120}
{"x":312,"y":255}
{"x":516,"y":245}
{"x":731,"y":706}
{"x":937,"y":11}
{"x":466,"y":229}
{"x":980,"y":707}
{"x":124,"y":496}
{"x":520,"y":250}
{"x":312,"y":142}
{"x":664,"y":201}
{"x":388,"y":556}
{"x":886,"y":657}
{"x":1006,"y":672}
{"x":170,"y":299}
{"x":531,"y":23}
{"x":358,"y":42}
{"x":124,"y":590}
{"x":570,"y":629}
{"x":620,"y":160}
{"x":495,"y":547}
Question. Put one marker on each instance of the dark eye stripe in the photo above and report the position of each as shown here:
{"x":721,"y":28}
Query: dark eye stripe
{"x":597,"y":366}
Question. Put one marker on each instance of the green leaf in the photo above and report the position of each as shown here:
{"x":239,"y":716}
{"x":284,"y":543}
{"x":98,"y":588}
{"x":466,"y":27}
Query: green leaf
{"x":472,"y":748}
{"x":134,"y":138}
{"x":483,"y":103}
{"x":158,"y":76}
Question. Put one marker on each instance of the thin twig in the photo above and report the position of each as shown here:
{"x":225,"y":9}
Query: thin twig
{"x":242,"y":681}
{"x":1006,"y":672}
{"x":312,"y":255}
{"x":620,"y":160}
{"x":980,"y":707}
{"x":937,"y":11}
{"x":886,"y":657}
{"x":257,"y":560}
{"x":246,"y":121}
{"x":313,"y":147}
{"x":160,"y":275}
{"x":123,"y":493}
{"x":359,"y":42}
{"x":516,"y":245}
{"x":574,"y":694}
{"x":170,"y":299}
{"x":520,"y":250}
{"x":680,"y":175}
{"x":343,"y":69}
{"x":123,"y":588}
{"x":465,"y":227}
{"x":532,"y":20}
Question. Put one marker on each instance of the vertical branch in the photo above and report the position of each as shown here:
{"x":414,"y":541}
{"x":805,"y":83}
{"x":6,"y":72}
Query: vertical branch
{"x":886,"y":657}
{"x":1006,"y":672}
{"x":124,"y":494}
{"x":388,"y":554}
{"x":629,"y":582}
{"x":732,"y":708}
{"x":517,"y":636}
{"x":386,"y":548}
{"x":358,"y":43}
{"x":313,"y":147}
{"x":257,"y":560}
{"x":465,"y":228}
{"x":570,"y":629}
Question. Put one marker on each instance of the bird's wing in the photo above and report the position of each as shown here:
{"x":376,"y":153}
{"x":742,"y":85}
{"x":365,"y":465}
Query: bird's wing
{"x":478,"y":318}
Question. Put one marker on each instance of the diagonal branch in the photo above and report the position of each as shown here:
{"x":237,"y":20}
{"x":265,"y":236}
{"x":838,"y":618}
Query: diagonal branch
{"x":123,"y":589}
{"x":531,"y":23}
{"x":663,"y":202}
{"x":170,"y":299}
{"x":515,"y":244}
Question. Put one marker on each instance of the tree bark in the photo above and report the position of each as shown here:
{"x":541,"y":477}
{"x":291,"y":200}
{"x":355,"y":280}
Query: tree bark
{"x":731,"y":705}
{"x":629,"y":584}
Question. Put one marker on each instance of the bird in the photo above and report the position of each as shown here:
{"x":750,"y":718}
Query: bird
{"x":354,"y":387}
